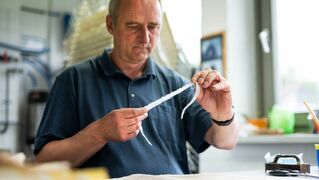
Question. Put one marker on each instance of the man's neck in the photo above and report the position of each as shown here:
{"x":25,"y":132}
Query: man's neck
{"x":131,"y":70}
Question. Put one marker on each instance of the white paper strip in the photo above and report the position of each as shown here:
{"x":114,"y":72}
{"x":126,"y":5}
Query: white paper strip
{"x":193,"y":99}
{"x":168,"y":96}
{"x":148,"y":141}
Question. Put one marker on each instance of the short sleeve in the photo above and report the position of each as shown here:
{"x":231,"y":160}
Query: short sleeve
{"x":60,"y":117}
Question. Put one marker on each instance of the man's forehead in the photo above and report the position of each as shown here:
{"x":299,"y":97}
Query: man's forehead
{"x":140,"y":12}
{"x":143,"y":5}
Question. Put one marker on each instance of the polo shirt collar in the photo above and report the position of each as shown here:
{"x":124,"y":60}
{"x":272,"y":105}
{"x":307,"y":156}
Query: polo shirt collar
{"x":150,"y":68}
{"x":110,"y":68}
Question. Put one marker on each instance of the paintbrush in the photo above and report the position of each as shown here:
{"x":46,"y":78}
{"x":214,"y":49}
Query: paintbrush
{"x":314,"y":117}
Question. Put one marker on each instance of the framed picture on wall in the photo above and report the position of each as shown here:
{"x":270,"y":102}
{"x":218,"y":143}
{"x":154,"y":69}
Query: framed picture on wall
{"x":213,"y":52}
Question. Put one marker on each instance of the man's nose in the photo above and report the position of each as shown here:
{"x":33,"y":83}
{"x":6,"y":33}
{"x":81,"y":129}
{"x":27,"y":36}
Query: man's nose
{"x":144,"y":36}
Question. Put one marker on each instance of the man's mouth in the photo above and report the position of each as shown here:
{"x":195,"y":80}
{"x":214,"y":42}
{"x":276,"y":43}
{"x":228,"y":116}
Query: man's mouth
{"x":147,"y":46}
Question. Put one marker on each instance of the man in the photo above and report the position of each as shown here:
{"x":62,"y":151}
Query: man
{"x":95,"y":109}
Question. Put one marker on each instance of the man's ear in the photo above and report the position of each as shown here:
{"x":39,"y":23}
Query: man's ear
{"x":109,"y":24}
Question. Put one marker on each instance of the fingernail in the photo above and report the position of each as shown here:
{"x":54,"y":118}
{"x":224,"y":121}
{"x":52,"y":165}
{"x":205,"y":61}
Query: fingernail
{"x":218,"y":86}
{"x":200,"y":81}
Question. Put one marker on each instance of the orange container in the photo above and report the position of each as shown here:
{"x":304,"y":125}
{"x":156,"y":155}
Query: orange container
{"x":258,"y":122}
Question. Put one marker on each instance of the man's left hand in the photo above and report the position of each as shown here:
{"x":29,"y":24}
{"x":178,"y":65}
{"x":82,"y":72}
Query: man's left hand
{"x":215,"y":94}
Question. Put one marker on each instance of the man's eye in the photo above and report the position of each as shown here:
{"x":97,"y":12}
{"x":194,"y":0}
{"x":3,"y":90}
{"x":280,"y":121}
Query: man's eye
{"x":133,"y":27}
{"x":152,"y":27}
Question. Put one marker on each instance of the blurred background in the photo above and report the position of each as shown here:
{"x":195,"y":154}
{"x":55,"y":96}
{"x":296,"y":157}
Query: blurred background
{"x":266,"y":49}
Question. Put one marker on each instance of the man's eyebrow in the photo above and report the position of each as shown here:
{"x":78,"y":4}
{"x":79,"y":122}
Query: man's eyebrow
{"x":134,"y":23}
{"x":131,"y":23}
{"x":154,"y":24}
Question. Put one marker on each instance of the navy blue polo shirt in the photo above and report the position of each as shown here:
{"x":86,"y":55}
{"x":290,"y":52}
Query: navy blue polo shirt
{"x":88,"y":91}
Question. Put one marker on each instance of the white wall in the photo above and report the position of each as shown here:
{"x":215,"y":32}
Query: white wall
{"x":241,"y":55}
{"x":236,"y":18}
{"x":238,"y":24}
{"x":213,"y":16}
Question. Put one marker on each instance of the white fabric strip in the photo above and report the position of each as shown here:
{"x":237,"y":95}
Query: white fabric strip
{"x":148,"y":141}
{"x":169,"y":96}
{"x":193,"y":99}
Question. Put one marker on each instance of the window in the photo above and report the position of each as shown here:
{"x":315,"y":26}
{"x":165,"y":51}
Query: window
{"x":185,"y":21}
{"x":296,"y":29}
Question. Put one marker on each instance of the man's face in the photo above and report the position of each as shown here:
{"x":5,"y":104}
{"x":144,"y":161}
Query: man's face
{"x":137,"y":29}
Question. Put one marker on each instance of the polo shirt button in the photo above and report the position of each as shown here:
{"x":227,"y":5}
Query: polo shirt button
{"x":132,"y":95}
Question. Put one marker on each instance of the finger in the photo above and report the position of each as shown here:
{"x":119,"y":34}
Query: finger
{"x":212,"y":76}
{"x":139,"y":127}
{"x":122,"y":135}
{"x":200,"y":77}
{"x":131,"y":135}
{"x":137,"y":119}
{"x":199,"y":74}
{"x":133,"y":112}
{"x":127,"y":133}
{"x":132,"y":129}
{"x":196,"y":76}
{"x":223,"y":85}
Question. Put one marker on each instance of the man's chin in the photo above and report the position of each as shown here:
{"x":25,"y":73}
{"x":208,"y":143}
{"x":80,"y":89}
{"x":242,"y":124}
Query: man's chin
{"x":142,"y":56}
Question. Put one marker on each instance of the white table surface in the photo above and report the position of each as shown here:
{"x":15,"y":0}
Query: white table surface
{"x":240,"y":175}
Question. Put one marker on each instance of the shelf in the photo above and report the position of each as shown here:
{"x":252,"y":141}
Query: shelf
{"x":280,"y":139}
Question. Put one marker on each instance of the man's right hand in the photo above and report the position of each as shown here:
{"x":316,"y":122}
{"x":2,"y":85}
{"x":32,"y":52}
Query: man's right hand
{"x":118,"y":125}
{"x":121,"y":124}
